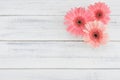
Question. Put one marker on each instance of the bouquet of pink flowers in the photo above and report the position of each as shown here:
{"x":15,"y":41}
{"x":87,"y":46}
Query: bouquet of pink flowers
{"x":89,"y":23}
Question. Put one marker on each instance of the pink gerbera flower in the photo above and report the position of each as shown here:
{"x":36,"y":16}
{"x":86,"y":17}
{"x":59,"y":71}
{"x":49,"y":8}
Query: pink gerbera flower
{"x":101,"y":12}
{"x":76,"y":19}
{"x":95,"y":34}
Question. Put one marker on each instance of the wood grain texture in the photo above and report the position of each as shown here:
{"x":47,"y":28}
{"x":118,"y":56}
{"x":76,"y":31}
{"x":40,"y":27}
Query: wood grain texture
{"x":49,"y":7}
{"x":59,"y":75}
{"x":34,"y":44}
{"x":58,"y":55}
{"x":45,"y":28}
{"x":57,"y":50}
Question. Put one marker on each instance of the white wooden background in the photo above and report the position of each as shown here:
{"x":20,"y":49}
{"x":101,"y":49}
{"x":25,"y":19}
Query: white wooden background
{"x":35,"y":46}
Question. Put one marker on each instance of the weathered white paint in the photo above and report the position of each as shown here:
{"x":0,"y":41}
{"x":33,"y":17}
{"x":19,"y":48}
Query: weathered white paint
{"x":35,"y":46}
{"x":49,"y":7}
{"x":45,"y":28}
{"x":58,"y":55}
{"x":59,"y":75}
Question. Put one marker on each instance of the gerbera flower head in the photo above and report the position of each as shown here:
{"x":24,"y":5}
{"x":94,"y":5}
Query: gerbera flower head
{"x":95,"y":34}
{"x":76,"y":19}
{"x":100,"y":11}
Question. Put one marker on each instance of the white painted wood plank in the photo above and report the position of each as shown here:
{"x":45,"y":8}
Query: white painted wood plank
{"x":49,"y":7}
{"x":62,"y":63}
{"x":44,"y":28}
{"x":59,"y":74}
{"x":58,"y":55}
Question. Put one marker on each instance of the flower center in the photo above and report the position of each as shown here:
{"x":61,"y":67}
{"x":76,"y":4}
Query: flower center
{"x":79,"y":21}
{"x":96,"y":35}
{"x":99,"y":14}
